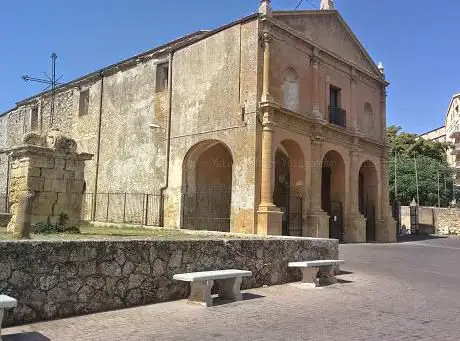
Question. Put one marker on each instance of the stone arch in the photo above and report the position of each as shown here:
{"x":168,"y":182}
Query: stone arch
{"x":333,"y":192}
{"x":291,"y":89}
{"x":368,"y":190}
{"x":289,"y":187}
{"x":207,"y":186}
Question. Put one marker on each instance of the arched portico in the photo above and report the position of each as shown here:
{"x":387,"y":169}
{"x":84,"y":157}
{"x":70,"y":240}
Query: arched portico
{"x":207,"y":187}
{"x":289,"y":186}
{"x":333,"y":192}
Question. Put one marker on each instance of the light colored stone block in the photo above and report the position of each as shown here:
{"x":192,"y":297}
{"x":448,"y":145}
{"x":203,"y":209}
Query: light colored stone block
{"x":6,"y":302}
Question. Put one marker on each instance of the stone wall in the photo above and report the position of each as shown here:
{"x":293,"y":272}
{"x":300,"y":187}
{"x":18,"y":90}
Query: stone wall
{"x":59,"y":279}
{"x":433,"y":220}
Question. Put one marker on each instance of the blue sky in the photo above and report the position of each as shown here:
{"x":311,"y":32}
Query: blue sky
{"x":416,"y":40}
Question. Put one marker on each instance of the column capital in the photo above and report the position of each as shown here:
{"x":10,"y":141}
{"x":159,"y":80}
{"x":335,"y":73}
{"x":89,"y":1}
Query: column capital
{"x":317,"y":139}
{"x":267,"y":36}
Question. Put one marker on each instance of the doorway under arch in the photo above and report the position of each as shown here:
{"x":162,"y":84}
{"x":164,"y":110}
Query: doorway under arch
{"x":368,"y":191}
{"x":207,"y":187}
{"x":333,"y":192}
{"x":289,"y":187}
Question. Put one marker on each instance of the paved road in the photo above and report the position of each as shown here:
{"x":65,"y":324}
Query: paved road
{"x":407,"y":291}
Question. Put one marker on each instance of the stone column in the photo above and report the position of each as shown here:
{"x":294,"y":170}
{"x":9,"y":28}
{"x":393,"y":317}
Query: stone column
{"x":315,"y":84}
{"x":383,"y":114}
{"x":318,"y":220}
{"x":353,"y":109}
{"x":356,"y":232}
{"x":269,"y":221}
{"x":266,"y":96}
{"x":386,"y":226}
{"x":269,"y":217}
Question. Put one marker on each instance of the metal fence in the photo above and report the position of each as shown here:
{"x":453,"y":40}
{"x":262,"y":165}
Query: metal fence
{"x":128,"y":208}
{"x":207,"y":210}
{"x":293,"y":226}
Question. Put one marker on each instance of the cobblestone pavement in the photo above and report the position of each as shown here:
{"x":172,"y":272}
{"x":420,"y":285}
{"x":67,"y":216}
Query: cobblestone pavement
{"x":407,"y":291}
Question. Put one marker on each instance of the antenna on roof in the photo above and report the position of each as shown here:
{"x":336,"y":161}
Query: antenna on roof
{"x":50,"y":81}
{"x":301,"y":1}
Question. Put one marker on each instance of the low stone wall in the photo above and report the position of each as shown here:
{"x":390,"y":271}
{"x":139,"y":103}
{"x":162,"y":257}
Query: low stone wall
{"x":433,"y":220}
{"x":60,"y":279}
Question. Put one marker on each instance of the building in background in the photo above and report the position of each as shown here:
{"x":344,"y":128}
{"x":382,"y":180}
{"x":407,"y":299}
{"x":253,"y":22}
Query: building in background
{"x":450,"y":132}
{"x":272,"y":124}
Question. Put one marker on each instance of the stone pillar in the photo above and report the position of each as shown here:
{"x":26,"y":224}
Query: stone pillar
{"x":383,"y":115}
{"x":386,"y":226}
{"x":318,"y":220}
{"x":266,"y":96}
{"x":269,"y":221}
{"x":356,"y":232}
{"x":315,"y":84}
{"x":353,"y":109}
{"x":47,"y":181}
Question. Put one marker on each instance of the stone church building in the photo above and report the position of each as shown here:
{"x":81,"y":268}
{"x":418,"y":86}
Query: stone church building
{"x":272,"y":124}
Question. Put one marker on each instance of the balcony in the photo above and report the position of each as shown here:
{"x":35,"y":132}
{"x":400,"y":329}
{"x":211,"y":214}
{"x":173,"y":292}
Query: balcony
{"x":455,"y":134}
{"x":456,"y":150}
{"x":337,"y":116}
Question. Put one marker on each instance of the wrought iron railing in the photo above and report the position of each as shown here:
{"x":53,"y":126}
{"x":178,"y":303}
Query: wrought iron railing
{"x":337,"y":116}
{"x":128,"y":208}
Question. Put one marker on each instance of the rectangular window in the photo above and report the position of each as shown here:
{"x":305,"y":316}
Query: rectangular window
{"x":84,"y":103}
{"x":335,"y":97}
{"x":162,"y":77}
{"x":34,"y":119}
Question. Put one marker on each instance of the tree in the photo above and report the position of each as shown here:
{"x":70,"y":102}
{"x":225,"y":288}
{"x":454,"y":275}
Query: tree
{"x":432,"y":168}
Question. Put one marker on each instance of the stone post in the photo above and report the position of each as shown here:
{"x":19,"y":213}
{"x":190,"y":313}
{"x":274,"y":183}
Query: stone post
{"x":356,"y":233}
{"x":315,"y":85}
{"x":317,"y":220}
{"x":266,"y":96}
{"x":269,"y":216}
{"x":386,"y":226}
{"x":47,"y":181}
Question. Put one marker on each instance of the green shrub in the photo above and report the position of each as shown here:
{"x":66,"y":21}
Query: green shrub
{"x":61,"y":226}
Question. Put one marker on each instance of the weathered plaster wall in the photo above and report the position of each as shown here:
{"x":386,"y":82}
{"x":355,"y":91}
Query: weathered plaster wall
{"x":433,"y":220}
{"x":3,"y":163}
{"x":214,"y":98}
{"x":59,"y":279}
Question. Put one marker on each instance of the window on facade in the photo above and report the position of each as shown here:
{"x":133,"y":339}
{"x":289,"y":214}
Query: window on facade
{"x":34,"y":119}
{"x":84,"y":103}
{"x":162,"y":77}
{"x":291,"y":89}
{"x":335,"y":97}
{"x":337,"y":115}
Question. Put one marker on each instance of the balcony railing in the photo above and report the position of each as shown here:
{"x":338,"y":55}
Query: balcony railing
{"x":337,"y":116}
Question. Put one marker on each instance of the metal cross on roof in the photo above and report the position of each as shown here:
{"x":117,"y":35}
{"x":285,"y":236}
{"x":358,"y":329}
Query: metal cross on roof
{"x":52,"y":82}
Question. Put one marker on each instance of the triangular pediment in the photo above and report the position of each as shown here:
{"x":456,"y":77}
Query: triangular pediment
{"x":328,"y":30}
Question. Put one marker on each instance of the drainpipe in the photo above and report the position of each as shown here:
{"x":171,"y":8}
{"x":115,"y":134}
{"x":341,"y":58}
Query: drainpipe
{"x":168,"y":139}
{"x":93,"y":213}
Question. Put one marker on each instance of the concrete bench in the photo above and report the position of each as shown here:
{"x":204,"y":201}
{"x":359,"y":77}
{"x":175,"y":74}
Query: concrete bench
{"x":310,"y":271}
{"x":201,"y":284}
{"x":6,"y":302}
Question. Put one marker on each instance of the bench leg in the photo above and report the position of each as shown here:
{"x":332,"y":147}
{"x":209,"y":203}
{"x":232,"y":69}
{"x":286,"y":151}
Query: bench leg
{"x":309,"y":276}
{"x":1,"y":320}
{"x":327,"y":275}
{"x":200,"y":292}
{"x":231,"y":289}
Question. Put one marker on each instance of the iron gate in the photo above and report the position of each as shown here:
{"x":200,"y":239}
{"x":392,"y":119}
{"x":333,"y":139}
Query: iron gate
{"x":294,"y":217}
{"x":336,"y":220}
{"x":207,"y":210}
{"x":370,"y":222}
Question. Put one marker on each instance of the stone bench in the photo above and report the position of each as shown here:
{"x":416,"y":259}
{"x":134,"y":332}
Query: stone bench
{"x":6,"y":302}
{"x":201,"y":284}
{"x":310,"y":271}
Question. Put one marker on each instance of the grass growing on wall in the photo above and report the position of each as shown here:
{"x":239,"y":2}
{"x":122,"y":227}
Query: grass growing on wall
{"x":88,"y":231}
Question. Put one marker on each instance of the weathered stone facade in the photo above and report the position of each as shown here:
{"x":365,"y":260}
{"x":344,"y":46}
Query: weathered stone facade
{"x":59,"y":279}
{"x":433,"y":220}
{"x":204,"y":121}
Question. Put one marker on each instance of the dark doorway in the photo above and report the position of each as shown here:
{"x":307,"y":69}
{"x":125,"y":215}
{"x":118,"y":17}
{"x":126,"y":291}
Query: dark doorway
{"x":282,"y":186}
{"x":336,"y":220}
{"x":368,"y":191}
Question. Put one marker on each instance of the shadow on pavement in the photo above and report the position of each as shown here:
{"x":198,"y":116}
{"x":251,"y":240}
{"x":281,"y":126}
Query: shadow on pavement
{"x":246,"y":297}
{"x":30,"y":336}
